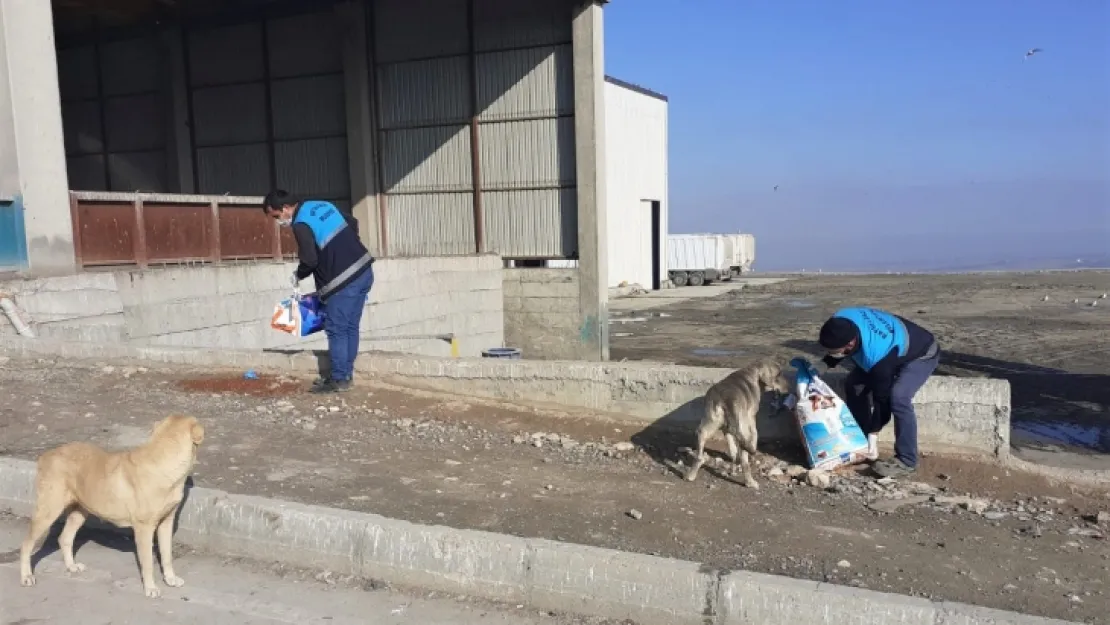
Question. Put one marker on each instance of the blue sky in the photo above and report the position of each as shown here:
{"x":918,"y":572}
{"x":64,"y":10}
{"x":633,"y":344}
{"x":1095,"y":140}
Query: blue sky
{"x":899,"y":132}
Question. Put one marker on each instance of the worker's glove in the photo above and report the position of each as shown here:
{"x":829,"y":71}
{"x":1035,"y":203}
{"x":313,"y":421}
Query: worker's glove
{"x":294,"y":281}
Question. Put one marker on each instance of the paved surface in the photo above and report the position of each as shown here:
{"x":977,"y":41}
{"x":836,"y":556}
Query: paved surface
{"x":218,"y":592}
{"x":656,"y":299}
{"x":575,"y":477}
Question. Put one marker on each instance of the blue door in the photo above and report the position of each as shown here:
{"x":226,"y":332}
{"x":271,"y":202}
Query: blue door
{"x":13,"y":240}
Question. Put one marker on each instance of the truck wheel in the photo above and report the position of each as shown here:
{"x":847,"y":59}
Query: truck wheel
{"x":679,"y":278}
{"x":697,"y":278}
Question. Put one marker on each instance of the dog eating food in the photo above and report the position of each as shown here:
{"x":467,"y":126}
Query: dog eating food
{"x":731,"y":406}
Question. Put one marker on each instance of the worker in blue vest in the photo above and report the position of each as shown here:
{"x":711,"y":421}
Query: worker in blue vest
{"x":329,"y":250}
{"x":893,"y":358}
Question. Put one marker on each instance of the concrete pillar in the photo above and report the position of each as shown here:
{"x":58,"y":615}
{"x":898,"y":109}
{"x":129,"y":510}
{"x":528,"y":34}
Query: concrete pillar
{"x":589,"y":138}
{"x":360,"y":124}
{"x":32,"y":152}
{"x":179,"y":139}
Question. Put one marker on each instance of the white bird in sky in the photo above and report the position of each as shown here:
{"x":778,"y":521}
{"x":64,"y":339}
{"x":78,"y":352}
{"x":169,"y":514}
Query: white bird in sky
{"x":1031,"y":52}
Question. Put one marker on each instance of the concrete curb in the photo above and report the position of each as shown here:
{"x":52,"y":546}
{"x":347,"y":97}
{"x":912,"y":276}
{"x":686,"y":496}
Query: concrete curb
{"x":542,"y":573}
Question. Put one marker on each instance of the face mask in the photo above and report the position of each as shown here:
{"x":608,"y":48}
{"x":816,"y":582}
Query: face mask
{"x":284,"y":222}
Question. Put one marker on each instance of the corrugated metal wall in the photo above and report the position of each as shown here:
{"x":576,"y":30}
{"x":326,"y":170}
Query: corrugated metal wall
{"x":474,"y":103}
{"x":476,"y":87}
{"x":114,"y":115}
{"x":267,"y":100}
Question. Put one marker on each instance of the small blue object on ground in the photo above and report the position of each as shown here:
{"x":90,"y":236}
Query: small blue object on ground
{"x":251,"y":374}
{"x":501,"y":352}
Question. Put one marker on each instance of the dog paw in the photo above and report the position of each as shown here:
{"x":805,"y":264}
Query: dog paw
{"x":77,"y":568}
{"x":174,"y":581}
{"x":751,"y":483}
{"x":27,"y":581}
{"x":152,"y":592}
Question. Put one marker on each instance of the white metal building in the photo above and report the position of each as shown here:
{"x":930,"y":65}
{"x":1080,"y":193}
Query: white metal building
{"x":636,"y":171}
{"x":636,"y":184}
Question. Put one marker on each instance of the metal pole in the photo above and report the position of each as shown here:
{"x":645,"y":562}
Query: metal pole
{"x":379,"y":150}
{"x":475,"y":152}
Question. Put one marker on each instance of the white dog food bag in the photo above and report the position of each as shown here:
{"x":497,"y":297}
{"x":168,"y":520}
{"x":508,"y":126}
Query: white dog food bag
{"x":829,"y":432}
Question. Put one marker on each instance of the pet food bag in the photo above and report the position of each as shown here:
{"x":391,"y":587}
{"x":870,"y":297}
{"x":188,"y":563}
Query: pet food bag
{"x":829,"y":432}
{"x":298,"y":315}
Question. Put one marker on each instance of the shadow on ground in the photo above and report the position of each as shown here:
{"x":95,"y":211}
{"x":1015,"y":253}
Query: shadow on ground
{"x":101,"y":533}
{"x":669,"y":439}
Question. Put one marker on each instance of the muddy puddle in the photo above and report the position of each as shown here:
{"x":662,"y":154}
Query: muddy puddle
{"x":1062,"y":436}
{"x":714,"y":352}
{"x":800,"y":303}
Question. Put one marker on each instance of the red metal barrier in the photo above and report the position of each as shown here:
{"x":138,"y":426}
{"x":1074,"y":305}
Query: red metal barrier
{"x":161,"y":229}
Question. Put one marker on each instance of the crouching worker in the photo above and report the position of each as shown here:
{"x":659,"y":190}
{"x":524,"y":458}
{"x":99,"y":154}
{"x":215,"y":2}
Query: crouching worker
{"x":893,"y":357}
{"x":329,"y":250}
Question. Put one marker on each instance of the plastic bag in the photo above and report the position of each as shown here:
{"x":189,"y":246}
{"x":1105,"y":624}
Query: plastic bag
{"x":298,"y":315}
{"x":829,"y":432}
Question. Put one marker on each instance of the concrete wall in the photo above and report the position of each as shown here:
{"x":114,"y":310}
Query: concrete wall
{"x":968,"y":416}
{"x":542,"y":312}
{"x":959,"y":415}
{"x":636,"y":175}
{"x":230,"y":306}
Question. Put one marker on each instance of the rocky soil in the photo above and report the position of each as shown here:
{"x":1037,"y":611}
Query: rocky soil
{"x":958,"y":531}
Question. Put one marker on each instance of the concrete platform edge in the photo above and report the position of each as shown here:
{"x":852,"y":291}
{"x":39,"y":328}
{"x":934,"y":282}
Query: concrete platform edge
{"x":542,"y":573}
{"x":958,"y":416}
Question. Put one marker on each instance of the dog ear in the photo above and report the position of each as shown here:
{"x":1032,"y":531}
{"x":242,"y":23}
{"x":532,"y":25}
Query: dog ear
{"x":771,"y":370}
{"x":197,"y":433}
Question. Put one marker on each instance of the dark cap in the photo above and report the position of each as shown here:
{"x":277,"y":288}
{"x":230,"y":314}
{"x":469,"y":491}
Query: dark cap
{"x":837,"y":333}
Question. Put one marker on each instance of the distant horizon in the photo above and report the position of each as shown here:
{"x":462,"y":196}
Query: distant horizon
{"x":878,"y":136}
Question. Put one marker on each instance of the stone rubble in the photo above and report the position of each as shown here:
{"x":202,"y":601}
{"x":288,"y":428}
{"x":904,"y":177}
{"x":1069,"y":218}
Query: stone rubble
{"x":1032,"y":517}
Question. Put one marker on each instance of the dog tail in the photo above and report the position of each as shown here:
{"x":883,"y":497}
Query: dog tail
{"x":714,"y":407}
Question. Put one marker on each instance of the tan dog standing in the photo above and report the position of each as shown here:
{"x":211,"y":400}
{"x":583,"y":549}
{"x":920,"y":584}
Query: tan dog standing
{"x":139,"y":488}
{"x":731,"y":405}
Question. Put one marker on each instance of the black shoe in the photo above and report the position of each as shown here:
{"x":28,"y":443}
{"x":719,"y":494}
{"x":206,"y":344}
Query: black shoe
{"x":893,"y":468}
{"x":330,"y":386}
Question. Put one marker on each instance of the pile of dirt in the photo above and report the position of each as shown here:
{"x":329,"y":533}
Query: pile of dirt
{"x":255,"y":386}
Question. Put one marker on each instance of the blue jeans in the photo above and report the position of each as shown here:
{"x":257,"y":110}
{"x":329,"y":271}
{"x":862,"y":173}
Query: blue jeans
{"x":343,"y":311}
{"x":909,"y":378}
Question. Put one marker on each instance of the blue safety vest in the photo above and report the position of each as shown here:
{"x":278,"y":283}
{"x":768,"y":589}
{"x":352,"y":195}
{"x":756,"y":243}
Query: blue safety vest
{"x":324,"y":219}
{"x":879,"y":333}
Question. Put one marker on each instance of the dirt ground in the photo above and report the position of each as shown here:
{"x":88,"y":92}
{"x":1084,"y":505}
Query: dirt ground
{"x":1055,"y":352}
{"x":965,"y":532}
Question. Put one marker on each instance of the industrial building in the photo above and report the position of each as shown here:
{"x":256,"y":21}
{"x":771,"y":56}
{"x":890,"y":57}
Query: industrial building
{"x":636,"y":186}
{"x":142,"y":133}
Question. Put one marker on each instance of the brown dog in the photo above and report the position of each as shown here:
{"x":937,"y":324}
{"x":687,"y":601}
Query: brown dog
{"x":139,"y":488}
{"x":731,"y":405}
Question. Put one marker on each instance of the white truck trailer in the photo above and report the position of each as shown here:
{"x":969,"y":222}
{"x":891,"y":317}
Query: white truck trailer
{"x":743,"y":250}
{"x":697,"y":259}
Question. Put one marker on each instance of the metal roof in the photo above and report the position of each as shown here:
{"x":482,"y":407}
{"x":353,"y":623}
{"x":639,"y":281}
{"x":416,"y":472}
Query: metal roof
{"x":637,"y":88}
